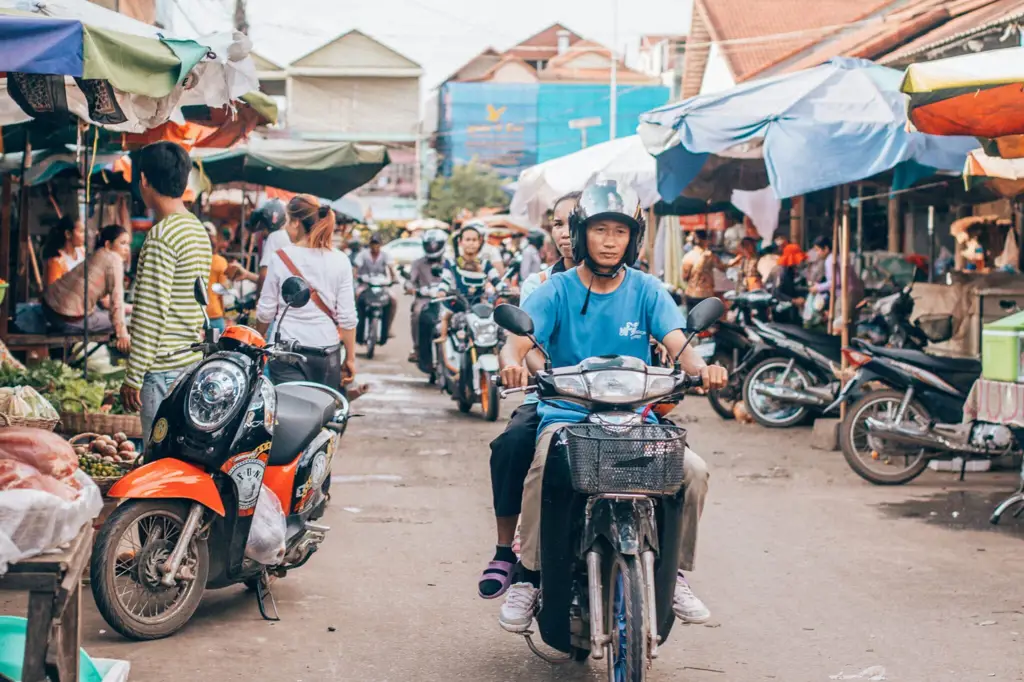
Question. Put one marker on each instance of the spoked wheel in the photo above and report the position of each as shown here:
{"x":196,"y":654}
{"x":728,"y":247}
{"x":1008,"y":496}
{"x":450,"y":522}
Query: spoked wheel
{"x":125,"y":570}
{"x":871,"y":457}
{"x":768,"y":411}
{"x":724,"y":400}
{"x":490,"y":401}
{"x":627,"y":651}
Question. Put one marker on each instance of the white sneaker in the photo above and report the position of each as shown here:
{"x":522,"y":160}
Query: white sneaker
{"x":687,"y":606}
{"x":520,"y":605}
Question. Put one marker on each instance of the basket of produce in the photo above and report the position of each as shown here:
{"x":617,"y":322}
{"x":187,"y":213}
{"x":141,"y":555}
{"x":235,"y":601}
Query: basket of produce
{"x":100,"y":422}
{"x":104,"y":458}
{"x":23,"y":406}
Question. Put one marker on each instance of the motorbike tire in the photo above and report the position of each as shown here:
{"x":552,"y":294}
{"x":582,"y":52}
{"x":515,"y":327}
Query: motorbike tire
{"x":489,"y":398}
{"x":103,"y":564}
{"x":627,"y":623}
{"x":846,"y":428}
{"x":722,"y":408}
{"x":797,"y":417}
{"x":371,"y":340}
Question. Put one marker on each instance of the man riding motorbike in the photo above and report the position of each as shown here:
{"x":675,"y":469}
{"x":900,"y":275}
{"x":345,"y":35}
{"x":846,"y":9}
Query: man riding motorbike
{"x":421,"y":274}
{"x":512,"y":451}
{"x":601,"y":307}
{"x":467,"y":275}
{"x":370,"y":262}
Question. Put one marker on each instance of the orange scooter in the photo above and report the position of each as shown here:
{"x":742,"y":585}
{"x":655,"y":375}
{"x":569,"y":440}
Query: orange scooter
{"x":223,"y":435}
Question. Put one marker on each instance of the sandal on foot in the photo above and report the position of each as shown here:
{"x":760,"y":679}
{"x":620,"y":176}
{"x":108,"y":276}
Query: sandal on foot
{"x":500,"y":572}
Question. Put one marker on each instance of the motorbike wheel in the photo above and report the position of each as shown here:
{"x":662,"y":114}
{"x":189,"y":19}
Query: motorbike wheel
{"x":627,"y":625}
{"x":490,"y":401}
{"x":124,"y":576}
{"x":723,"y":402}
{"x":768,"y":412}
{"x":899,"y":464}
{"x":371,"y":339}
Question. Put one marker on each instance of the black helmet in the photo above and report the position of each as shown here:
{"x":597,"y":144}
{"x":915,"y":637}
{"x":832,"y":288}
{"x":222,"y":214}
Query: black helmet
{"x":606,"y":198}
{"x":433,"y":243}
{"x":536,"y":237}
{"x":272,"y":215}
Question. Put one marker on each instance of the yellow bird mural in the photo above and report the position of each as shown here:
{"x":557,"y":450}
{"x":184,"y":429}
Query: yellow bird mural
{"x":494,"y":115}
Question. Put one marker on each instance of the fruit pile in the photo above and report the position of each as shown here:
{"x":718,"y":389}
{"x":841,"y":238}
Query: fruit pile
{"x":104,"y":456}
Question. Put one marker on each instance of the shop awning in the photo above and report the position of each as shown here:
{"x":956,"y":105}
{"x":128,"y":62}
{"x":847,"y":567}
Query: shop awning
{"x":71,"y":56}
{"x":325,"y":169}
{"x":976,"y":94}
{"x":829,"y":125}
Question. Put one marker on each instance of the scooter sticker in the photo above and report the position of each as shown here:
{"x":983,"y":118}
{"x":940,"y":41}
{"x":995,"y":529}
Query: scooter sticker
{"x":159,"y":430}
{"x":246,"y":470}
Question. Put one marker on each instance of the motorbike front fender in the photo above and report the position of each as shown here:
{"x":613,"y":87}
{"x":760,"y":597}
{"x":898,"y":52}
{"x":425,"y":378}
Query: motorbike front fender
{"x":170,"y":478}
{"x":486,"y":362}
{"x":628,"y":526}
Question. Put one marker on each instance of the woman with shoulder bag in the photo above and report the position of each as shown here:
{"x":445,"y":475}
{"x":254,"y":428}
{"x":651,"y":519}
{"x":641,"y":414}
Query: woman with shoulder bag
{"x":329,"y":320}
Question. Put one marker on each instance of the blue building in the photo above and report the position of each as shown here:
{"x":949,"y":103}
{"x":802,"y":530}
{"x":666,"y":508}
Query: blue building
{"x":514,"y":110}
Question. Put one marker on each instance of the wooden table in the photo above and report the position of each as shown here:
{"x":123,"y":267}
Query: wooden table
{"x":54,"y":584}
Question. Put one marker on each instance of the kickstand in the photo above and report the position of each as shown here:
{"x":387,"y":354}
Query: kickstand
{"x":262,"y":594}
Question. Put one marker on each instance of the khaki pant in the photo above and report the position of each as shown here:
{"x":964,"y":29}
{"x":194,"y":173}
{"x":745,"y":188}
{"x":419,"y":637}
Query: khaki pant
{"x":695,"y":482}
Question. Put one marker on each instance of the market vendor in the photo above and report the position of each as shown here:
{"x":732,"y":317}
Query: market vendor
{"x":64,"y":248}
{"x":66,"y":302}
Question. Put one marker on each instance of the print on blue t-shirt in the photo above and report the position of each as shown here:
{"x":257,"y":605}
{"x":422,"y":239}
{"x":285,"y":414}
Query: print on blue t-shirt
{"x":617,"y":323}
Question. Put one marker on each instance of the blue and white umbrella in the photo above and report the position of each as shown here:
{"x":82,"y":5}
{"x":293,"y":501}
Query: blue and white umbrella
{"x":829,"y":125}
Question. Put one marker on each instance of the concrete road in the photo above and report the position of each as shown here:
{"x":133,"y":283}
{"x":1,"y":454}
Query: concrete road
{"x":810,"y":573}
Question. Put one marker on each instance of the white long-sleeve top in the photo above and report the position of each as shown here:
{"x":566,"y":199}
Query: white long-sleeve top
{"x":329,"y":273}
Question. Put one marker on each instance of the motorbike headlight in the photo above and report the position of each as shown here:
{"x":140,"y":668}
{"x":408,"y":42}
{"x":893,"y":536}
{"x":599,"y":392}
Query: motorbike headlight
{"x":658,"y":386}
{"x":617,"y":386}
{"x":571,"y":385}
{"x":217,"y":390}
{"x":485,"y":332}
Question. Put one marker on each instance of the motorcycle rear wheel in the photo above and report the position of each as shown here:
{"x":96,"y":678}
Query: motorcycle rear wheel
{"x":849,"y":431}
{"x":627,"y":624}
{"x":371,"y":339}
{"x":112,"y":561}
{"x":757,"y":405}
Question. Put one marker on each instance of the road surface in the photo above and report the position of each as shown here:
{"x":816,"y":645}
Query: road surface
{"x":809,"y":572}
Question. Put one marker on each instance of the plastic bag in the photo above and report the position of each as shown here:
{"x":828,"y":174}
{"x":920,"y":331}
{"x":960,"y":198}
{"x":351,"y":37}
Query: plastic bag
{"x":266,"y":542}
{"x":40,"y":448}
{"x":33,"y":521}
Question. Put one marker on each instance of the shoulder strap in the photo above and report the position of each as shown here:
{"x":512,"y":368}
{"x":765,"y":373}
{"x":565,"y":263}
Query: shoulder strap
{"x":315,"y":296}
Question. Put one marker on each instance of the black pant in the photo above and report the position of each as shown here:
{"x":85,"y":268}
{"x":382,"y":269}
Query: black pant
{"x":511,"y":457}
{"x":319,"y":367}
{"x":427,"y":322}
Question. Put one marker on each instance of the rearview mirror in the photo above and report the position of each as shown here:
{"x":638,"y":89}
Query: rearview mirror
{"x":199,"y":291}
{"x":513,"y":319}
{"x":295,"y":292}
{"x":704,"y":314}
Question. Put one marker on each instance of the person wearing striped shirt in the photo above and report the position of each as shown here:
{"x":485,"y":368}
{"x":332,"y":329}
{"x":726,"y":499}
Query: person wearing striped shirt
{"x":166,"y":316}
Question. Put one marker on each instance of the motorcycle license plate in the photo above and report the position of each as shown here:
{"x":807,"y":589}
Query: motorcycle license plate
{"x":706,"y":350}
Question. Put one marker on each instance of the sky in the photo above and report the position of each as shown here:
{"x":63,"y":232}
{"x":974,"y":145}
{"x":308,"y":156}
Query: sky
{"x":441,"y":35}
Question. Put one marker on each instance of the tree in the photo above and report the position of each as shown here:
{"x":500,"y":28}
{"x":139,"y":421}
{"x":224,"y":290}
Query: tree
{"x":472,"y":187}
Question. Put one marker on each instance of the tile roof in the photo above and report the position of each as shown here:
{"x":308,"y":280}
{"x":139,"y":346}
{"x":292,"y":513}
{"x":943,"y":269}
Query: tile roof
{"x":794,"y":25}
{"x":983,"y":16}
{"x":548,"y":38}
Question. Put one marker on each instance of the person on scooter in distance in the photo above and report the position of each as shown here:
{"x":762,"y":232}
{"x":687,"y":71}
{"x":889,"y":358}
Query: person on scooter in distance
{"x":421,"y":274}
{"x":368,"y":263}
{"x":467,"y":274}
{"x":601,"y":307}
{"x":512,"y":451}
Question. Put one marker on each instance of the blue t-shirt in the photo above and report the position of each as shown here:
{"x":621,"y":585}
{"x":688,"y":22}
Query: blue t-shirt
{"x":618,"y":323}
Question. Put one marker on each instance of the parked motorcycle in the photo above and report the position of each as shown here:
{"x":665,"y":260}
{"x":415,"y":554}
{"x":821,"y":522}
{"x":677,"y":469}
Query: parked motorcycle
{"x":373,"y":303}
{"x":468,"y":358}
{"x":222,"y":435}
{"x":886,"y":321}
{"x":612,"y":507}
{"x":889,"y":436}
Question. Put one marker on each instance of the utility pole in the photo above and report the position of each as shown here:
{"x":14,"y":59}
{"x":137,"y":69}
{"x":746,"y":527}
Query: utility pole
{"x":613,"y":112}
{"x":241,"y":21}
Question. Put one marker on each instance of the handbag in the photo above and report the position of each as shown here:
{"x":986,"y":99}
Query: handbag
{"x":314,"y":296}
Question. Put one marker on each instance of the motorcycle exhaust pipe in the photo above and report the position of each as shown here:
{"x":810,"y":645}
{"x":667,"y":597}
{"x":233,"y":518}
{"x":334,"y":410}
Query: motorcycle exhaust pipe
{"x":791,"y":395}
{"x":919,"y":437}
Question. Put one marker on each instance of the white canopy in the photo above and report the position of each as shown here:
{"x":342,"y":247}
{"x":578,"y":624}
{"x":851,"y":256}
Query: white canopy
{"x":625,"y":160}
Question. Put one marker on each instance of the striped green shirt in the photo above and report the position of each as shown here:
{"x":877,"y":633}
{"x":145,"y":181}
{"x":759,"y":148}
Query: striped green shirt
{"x":166,"y":316}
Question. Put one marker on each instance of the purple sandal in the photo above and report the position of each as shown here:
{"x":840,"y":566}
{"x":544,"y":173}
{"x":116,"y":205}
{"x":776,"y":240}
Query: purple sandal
{"x":498,"y":571}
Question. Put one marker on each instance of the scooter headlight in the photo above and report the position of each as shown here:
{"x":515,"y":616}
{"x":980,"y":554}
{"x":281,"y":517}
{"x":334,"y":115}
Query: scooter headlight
{"x":266,"y":398}
{"x":217,"y":391}
{"x":485,"y":332}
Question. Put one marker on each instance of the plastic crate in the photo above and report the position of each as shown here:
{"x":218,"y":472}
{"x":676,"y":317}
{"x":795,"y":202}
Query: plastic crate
{"x":1001,"y":349}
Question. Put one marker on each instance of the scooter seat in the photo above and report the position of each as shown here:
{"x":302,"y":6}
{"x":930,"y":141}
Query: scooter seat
{"x":961,"y":372}
{"x":826,"y":344}
{"x":302,"y":411}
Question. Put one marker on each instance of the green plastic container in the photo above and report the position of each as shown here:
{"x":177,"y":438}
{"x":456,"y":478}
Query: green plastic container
{"x":1001,"y":346}
{"x":12,"y":652}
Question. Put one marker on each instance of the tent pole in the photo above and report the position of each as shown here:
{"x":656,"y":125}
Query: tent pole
{"x":845,"y":291}
{"x":931,"y":242}
{"x":23,"y":237}
{"x":836,"y":207}
{"x":860,"y":220}
{"x":5,"y":251}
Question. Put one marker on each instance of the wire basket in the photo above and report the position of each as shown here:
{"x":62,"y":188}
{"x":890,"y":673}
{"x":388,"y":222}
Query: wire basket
{"x":46,"y":424}
{"x":646,"y":460}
